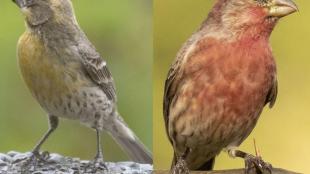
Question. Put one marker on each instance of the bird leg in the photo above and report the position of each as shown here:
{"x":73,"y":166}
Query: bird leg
{"x":252,"y":162}
{"x":99,"y":156}
{"x":98,"y":163}
{"x":53,"y":123}
{"x":180,"y":166}
{"x":36,"y":156}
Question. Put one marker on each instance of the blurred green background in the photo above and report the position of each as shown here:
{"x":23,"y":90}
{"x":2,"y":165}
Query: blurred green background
{"x":283,"y":133}
{"x":121,"y":30}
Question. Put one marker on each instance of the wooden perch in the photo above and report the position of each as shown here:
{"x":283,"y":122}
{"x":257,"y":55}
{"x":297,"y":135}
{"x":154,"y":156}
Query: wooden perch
{"x":232,"y":171}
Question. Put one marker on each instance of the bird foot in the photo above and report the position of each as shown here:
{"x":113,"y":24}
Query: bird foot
{"x":34,"y":160}
{"x":96,"y":165}
{"x":256,"y":163}
{"x":180,"y":167}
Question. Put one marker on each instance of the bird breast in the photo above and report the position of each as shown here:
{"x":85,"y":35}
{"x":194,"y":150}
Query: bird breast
{"x":236,"y":75}
{"x":41,"y":72}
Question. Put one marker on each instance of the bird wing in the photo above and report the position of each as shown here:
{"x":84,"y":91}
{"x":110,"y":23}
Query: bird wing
{"x":272,"y":95}
{"x":170,"y":90}
{"x":169,"y":94}
{"x":98,"y":71}
{"x":172,"y":81}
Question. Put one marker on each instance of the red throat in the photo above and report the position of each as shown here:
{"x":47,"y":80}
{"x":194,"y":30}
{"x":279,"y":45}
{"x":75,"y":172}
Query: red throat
{"x":260,"y":20}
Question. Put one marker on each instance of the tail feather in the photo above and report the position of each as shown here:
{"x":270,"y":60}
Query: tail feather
{"x":135,"y":150}
{"x":130,"y":143}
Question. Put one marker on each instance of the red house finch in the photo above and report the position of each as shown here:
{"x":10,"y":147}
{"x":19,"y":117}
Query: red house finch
{"x":68,"y":77}
{"x":220,"y":82}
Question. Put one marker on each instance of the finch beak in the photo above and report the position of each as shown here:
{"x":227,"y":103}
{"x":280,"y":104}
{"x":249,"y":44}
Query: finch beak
{"x":23,"y":3}
{"x":281,"y":8}
{"x":20,"y":3}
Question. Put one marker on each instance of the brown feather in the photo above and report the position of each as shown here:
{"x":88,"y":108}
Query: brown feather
{"x":99,"y":72}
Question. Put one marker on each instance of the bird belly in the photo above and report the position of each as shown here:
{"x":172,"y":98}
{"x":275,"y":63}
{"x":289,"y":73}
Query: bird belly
{"x":61,"y":91}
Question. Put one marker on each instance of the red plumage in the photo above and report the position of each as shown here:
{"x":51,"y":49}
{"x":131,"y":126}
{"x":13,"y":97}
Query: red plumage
{"x":220,"y":81}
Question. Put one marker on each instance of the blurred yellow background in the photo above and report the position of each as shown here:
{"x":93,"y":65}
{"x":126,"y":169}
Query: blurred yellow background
{"x":121,"y":30}
{"x":283,"y":133}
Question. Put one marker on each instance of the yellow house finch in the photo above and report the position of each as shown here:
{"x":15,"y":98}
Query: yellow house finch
{"x":68,"y":77}
{"x":220,"y":81}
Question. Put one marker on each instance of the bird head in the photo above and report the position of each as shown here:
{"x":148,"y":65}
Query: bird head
{"x":38,"y":12}
{"x":250,"y":16}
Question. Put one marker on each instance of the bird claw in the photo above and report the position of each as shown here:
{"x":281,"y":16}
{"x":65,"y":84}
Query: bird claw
{"x":180,"y":167}
{"x":35,"y":159}
{"x":257,"y":163}
{"x":100,"y":164}
{"x":97,"y":164}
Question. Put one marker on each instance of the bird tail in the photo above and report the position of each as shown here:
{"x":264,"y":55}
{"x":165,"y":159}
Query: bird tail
{"x":129,"y":142}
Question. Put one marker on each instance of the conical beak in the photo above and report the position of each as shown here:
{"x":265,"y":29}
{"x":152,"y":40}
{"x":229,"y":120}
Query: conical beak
{"x":20,"y":3}
{"x":281,"y":8}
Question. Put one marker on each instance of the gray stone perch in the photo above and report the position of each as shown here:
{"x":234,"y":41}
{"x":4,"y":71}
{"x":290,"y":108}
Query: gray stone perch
{"x":14,"y":163}
{"x":235,"y":171}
